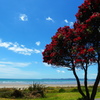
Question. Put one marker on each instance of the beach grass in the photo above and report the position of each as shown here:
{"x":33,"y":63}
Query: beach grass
{"x":58,"y":93}
{"x":57,"y":96}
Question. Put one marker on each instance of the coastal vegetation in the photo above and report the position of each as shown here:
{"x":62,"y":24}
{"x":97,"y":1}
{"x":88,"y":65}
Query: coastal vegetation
{"x":50,"y":93}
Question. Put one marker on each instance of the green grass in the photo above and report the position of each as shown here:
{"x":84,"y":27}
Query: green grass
{"x":54,"y":96}
{"x":53,"y":93}
{"x":57,"y":96}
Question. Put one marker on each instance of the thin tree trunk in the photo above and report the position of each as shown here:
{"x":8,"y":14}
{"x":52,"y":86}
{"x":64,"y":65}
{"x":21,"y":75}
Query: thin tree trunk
{"x":78,"y":83}
{"x":95,"y":86}
{"x":85,"y":83}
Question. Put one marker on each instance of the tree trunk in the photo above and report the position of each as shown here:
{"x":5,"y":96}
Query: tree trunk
{"x":85,"y":83}
{"x":78,"y":83}
{"x":95,"y":86}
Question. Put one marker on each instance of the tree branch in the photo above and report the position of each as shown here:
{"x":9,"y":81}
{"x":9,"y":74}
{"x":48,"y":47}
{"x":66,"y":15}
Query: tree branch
{"x":78,"y":83}
{"x":97,"y":80}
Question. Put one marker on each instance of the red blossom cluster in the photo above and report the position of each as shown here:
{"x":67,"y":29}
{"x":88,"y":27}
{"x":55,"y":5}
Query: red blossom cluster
{"x":57,"y":49}
{"x":87,"y":9}
{"x":65,"y":46}
{"x":95,"y":16}
{"x":77,"y":44}
{"x":84,"y":55}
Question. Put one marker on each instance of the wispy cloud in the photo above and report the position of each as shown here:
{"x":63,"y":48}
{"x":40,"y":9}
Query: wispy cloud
{"x":48,"y":65}
{"x":49,"y":19}
{"x":69,"y":23}
{"x":23,"y":17}
{"x":13,"y":70}
{"x":5,"y":44}
{"x":9,"y":69}
{"x":66,"y":20}
{"x":90,"y":75}
{"x":14,"y":64}
{"x":36,"y":51}
{"x":36,"y":62}
{"x":21,"y":49}
{"x":38,"y":43}
{"x":59,"y":71}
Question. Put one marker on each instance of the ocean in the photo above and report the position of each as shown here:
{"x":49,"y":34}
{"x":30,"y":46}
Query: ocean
{"x":43,"y":81}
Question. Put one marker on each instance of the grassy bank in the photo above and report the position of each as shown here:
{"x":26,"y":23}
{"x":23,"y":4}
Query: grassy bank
{"x":51,"y":93}
{"x":56,"y":96}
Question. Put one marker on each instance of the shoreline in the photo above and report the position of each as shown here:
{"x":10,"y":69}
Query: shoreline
{"x":16,"y":85}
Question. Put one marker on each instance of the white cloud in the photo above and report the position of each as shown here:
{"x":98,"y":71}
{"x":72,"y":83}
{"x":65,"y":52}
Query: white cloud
{"x":36,"y":51}
{"x":69,"y":23}
{"x":49,"y":19}
{"x":36,"y":62}
{"x":14,"y":64}
{"x":38,"y":43}
{"x":42,"y":50}
{"x":92,"y":76}
{"x":23,"y":17}
{"x":10,"y":69}
{"x":60,"y":71}
{"x":48,"y":65}
{"x":63,"y":71}
{"x":66,"y":20}
{"x":77,"y":69}
{"x":5,"y":44}
{"x":15,"y":72}
{"x":21,"y":49}
{"x":2,"y":65}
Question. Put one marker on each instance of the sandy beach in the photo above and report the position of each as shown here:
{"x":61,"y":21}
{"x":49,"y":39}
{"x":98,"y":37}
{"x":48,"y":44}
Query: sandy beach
{"x":27,"y":85}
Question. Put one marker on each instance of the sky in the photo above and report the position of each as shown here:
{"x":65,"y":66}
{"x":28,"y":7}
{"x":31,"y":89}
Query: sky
{"x":26,"y":26}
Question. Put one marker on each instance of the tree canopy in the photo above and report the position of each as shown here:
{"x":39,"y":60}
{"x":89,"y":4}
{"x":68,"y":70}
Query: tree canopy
{"x":78,"y":46}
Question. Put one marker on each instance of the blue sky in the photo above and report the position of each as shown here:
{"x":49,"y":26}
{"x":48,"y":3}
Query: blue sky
{"x":26,"y":26}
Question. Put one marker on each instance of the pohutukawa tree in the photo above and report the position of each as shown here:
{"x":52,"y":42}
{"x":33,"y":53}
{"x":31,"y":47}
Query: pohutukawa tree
{"x":78,"y":47}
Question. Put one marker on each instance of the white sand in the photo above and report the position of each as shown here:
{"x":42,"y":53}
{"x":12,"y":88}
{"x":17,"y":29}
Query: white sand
{"x":15,"y":85}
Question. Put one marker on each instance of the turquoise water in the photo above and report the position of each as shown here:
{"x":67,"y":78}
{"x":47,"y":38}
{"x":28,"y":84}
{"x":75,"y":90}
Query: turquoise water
{"x":43,"y":81}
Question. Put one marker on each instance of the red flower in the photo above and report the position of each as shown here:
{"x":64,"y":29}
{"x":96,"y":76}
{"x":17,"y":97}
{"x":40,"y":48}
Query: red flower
{"x":91,"y":50}
{"x":53,"y":54}
{"x":77,"y":39}
{"x":78,"y":60}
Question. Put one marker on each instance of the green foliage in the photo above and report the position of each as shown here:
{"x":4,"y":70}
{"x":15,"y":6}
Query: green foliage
{"x":51,"y":93}
{"x":62,"y":90}
{"x":34,"y":91}
{"x":74,"y":90}
{"x":6,"y":92}
{"x":36,"y":87}
{"x":17,"y":94}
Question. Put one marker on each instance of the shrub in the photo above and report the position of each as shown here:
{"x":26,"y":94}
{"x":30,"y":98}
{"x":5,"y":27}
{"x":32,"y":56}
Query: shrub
{"x":6,"y":92}
{"x":62,"y":90}
{"x":17,"y":94}
{"x":74,"y":90}
{"x":37,"y":89}
{"x":36,"y":86}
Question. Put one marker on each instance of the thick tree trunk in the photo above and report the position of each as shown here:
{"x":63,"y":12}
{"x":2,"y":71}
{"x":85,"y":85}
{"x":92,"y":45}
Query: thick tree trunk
{"x":78,"y":83}
{"x":95,"y":86}
{"x":85,"y":83}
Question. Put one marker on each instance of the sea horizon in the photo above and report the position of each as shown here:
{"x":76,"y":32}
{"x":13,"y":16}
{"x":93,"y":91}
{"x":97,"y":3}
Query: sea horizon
{"x":44,"y":81}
